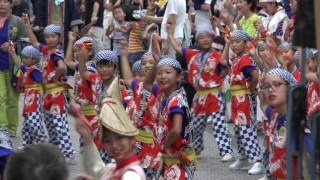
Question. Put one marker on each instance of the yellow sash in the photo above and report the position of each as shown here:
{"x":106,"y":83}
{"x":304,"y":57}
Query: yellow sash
{"x":189,"y":155}
{"x":53,"y":88}
{"x":145,"y":137}
{"x":205,"y":92}
{"x":88,"y":110}
{"x":36,"y":87}
{"x":238,"y":90}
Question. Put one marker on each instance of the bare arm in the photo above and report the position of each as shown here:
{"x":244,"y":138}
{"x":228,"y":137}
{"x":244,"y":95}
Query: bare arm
{"x":225,"y":54}
{"x":172,"y":41}
{"x":125,"y":66}
{"x":34,"y":41}
{"x":14,"y":58}
{"x":153,"y":19}
{"x":175,"y":132}
{"x":69,"y":56}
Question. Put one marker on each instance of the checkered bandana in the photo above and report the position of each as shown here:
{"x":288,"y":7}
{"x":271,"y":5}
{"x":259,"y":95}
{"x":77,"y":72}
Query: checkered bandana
{"x":285,"y":45}
{"x":146,"y":54}
{"x":30,"y":51}
{"x":87,"y":42}
{"x":310,"y":54}
{"x":171,"y":62}
{"x":52,"y":28}
{"x":283,"y":74}
{"x":241,"y":35}
{"x":107,"y":56}
{"x":198,"y":33}
{"x":136,"y":66}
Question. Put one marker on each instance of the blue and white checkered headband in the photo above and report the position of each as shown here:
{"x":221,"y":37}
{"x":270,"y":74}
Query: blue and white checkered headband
{"x":285,"y":45}
{"x":136,"y":66}
{"x":283,"y":74}
{"x":146,"y":54}
{"x":310,"y":53}
{"x":241,"y":35}
{"x":91,"y":66}
{"x":52,"y":28}
{"x":171,"y":62}
{"x":86,"y":39}
{"x":30,"y":51}
{"x":107,"y":56}
{"x":198,"y":33}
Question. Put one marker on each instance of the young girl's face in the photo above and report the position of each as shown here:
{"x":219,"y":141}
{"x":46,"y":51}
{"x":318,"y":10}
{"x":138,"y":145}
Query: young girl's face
{"x":205,"y":40}
{"x":275,"y":90}
{"x":28,"y":61}
{"x":242,"y":6}
{"x":106,"y":70}
{"x":168,"y":78}
{"x":52,"y":39}
{"x":287,"y":55}
{"x":82,"y":48}
{"x":311,"y":65}
{"x":119,"y":14}
{"x":237,"y":45}
{"x":147,"y":64}
{"x":117,"y":146}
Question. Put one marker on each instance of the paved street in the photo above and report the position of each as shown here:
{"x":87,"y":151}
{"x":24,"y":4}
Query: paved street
{"x":210,"y":166}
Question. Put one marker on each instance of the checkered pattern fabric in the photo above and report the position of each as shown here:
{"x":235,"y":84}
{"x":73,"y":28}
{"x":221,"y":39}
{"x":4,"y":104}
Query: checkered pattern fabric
{"x":146,"y":54}
{"x":151,"y":174}
{"x":33,"y":129}
{"x":87,"y":42}
{"x":30,"y":51}
{"x":168,"y":61}
{"x":253,"y":109}
{"x":52,"y":28}
{"x":283,"y":74}
{"x":104,"y":156}
{"x":59,"y":134}
{"x":107,"y":56}
{"x":198,"y":33}
{"x":285,"y":45}
{"x":136,"y":66}
{"x":219,"y":128}
{"x":241,"y":35}
{"x":5,"y":139}
{"x":247,"y":143}
{"x":190,"y":170}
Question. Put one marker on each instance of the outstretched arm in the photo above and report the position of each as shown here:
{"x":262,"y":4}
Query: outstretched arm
{"x":225,"y":54}
{"x":82,"y":56}
{"x":69,"y":56}
{"x":125,"y":66}
{"x":34,"y":41}
{"x":14,"y":58}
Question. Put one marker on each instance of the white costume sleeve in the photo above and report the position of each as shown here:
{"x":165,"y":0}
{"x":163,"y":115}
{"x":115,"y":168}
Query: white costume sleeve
{"x":131,"y":175}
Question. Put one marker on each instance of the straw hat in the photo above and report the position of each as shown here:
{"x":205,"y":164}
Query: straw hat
{"x":113,"y":115}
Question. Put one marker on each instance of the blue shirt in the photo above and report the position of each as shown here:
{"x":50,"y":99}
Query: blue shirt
{"x":4,"y":37}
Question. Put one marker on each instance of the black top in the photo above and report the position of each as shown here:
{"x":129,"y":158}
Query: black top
{"x":89,"y":9}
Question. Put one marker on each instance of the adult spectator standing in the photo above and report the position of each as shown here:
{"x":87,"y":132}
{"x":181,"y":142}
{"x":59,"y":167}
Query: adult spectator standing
{"x":203,"y":15}
{"x":94,"y":15}
{"x":12,"y":29}
{"x":175,"y":14}
{"x":246,"y":9}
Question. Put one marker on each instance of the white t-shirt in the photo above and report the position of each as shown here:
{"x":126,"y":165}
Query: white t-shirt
{"x":178,"y":8}
{"x":203,"y":19}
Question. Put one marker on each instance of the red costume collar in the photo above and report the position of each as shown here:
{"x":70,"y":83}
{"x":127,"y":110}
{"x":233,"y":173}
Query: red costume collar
{"x":127,"y":162}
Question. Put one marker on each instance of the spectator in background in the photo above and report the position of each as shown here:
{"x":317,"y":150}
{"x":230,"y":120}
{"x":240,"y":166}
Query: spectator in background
{"x":246,"y":9}
{"x":12,"y":29}
{"x":94,"y":15}
{"x":175,"y":15}
{"x":37,"y":162}
{"x":203,"y":15}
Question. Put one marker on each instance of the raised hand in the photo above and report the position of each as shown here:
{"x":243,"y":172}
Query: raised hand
{"x":25,"y":18}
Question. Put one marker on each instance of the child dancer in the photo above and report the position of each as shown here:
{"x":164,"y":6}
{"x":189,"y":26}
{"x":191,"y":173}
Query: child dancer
{"x":274,"y":104}
{"x":243,"y":82}
{"x":54,"y":97}
{"x":169,"y":108}
{"x":86,"y":92}
{"x":148,"y":150}
{"x":33,"y":130}
{"x":118,"y":137}
{"x":205,"y":74}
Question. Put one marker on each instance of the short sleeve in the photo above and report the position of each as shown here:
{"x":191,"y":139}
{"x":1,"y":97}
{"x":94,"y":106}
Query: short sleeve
{"x":268,"y":112}
{"x":36,"y":76}
{"x":23,"y":68}
{"x":134,"y":84}
{"x":188,"y":53}
{"x":247,"y":70}
{"x":172,"y":7}
{"x":56,"y":58}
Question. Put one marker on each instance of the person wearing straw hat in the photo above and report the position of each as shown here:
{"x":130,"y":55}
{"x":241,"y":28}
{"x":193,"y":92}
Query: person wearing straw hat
{"x":53,"y":71}
{"x":118,"y":137}
{"x":33,"y":130}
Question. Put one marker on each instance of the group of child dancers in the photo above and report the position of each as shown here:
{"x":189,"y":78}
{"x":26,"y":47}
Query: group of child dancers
{"x":147,"y":126}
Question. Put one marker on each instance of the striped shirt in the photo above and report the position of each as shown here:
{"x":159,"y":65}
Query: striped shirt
{"x":135,"y":38}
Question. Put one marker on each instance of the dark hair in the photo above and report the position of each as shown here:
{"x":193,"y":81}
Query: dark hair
{"x":118,"y":7}
{"x":37,"y":162}
{"x":253,"y":3}
{"x":219,"y":40}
